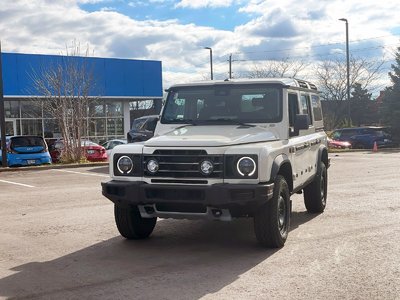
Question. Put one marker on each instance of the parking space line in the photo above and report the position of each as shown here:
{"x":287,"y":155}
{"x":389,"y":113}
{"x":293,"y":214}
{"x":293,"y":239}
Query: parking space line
{"x":81,"y":173}
{"x":16,"y":183}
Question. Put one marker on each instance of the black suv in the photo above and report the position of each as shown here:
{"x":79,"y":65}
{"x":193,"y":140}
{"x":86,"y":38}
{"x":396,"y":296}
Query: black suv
{"x":364,"y":137}
{"x":142,"y":129}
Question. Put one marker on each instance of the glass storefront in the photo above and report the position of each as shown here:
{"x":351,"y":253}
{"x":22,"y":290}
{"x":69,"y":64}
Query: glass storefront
{"x":26,"y":117}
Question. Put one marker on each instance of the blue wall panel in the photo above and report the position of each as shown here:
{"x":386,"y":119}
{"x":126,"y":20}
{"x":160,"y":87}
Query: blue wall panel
{"x":113,"y":77}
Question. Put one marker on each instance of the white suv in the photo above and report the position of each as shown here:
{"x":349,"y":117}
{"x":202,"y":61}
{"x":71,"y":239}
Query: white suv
{"x":222,"y":150}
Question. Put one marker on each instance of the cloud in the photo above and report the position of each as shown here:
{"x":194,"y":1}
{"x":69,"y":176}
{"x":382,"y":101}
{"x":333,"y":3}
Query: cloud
{"x":108,"y":8}
{"x":195,"y":4}
{"x":93,"y":1}
{"x":285,"y":29}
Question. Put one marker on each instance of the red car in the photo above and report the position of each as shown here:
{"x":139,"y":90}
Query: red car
{"x":91,"y":150}
{"x":335,"y":144}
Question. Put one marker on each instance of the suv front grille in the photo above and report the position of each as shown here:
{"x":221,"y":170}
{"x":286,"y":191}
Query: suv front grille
{"x":183,"y":164}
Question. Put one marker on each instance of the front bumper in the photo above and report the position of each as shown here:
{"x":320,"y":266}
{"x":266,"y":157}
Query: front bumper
{"x":239,"y":199}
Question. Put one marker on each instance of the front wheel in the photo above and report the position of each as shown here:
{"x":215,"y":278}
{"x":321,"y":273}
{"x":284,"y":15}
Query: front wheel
{"x":271,"y":222}
{"x":315,"y":193}
{"x":130,"y":223}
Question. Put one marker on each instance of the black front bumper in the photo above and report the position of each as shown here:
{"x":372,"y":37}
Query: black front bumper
{"x":240,"y":199}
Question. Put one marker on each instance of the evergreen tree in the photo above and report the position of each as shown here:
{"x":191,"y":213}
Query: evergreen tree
{"x":361,"y":104}
{"x":391,"y":100}
{"x":359,"y":94}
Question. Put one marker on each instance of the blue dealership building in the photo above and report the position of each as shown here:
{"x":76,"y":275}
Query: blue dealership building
{"x":120,"y":86}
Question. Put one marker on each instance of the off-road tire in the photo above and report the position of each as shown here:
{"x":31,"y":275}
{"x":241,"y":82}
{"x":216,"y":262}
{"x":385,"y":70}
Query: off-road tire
{"x":131,"y":225}
{"x":272,"y":220}
{"x":315,"y":193}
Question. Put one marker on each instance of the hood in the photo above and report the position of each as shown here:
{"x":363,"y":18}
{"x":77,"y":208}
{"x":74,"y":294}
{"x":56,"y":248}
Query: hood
{"x":211,"y":136}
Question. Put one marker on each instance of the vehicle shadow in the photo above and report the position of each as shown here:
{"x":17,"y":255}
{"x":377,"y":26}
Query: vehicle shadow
{"x":182,"y":259}
{"x":99,"y":170}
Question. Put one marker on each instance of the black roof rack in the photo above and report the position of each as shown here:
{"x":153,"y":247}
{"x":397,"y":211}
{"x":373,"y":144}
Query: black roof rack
{"x":302,"y":84}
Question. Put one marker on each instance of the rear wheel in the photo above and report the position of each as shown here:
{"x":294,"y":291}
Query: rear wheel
{"x":271,"y":222}
{"x":131,"y":225}
{"x":316,"y":192}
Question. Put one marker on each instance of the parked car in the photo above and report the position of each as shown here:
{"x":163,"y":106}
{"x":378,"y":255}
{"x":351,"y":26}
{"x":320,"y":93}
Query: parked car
{"x":364,"y":137}
{"x":335,"y":144}
{"x":142,"y":129}
{"x":91,"y":150}
{"x":109,"y":145}
{"x":26,"y":150}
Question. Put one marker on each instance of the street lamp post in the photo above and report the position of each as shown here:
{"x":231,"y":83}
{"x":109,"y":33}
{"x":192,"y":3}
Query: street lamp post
{"x":2,"y":118}
{"x":348,"y":65}
{"x":211,"y":61}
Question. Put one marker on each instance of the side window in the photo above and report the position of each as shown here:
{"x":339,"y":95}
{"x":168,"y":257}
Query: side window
{"x":199,"y":107}
{"x":306,"y":107}
{"x":293,"y":108}
{"x":316,"y":107}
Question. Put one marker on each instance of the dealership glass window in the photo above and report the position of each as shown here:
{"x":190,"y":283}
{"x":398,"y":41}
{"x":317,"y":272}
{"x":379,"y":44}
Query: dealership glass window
{"x":51,"y":128}
{"x":115,"y":127}
{"x":31,"y":109}
{"x":97,"y":108}
{"x":11,"y":109}
{"x":31,"y":127}
{"x":97,"y":126}
{"x":114,"y":109}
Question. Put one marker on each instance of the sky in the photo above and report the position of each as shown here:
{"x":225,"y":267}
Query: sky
{"x":176,"y":32}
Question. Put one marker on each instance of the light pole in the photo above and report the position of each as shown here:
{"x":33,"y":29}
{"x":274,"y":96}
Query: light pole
{"x":348,"y":65}
{"x":211,"y":61}
{"x":2,"y":118}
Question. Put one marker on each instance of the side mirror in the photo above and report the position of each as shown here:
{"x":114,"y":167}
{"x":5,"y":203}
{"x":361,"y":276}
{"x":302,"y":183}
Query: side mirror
{"x":300,"y":123}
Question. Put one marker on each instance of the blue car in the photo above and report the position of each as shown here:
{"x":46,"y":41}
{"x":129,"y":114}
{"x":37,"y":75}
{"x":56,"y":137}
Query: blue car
{"x":364,"y":137}
{"x":26,"y":151}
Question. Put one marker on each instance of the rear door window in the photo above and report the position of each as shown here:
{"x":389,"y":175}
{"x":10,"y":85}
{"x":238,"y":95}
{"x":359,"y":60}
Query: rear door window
{"x":316,"y":107}
{"x":306,"y":107}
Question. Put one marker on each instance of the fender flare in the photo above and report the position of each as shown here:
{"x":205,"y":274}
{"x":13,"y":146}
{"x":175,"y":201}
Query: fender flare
{"x":322,"y":157}
{"x":280,"y":160}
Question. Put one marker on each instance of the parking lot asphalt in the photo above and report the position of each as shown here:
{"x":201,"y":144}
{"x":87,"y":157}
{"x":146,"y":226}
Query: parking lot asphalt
{"x":58,"y":240}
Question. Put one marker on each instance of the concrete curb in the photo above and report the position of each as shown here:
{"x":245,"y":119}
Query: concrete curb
{"x":53,"y":166}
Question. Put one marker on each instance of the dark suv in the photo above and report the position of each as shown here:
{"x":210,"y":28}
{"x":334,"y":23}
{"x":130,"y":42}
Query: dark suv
{"x":142,"y":129}
{"x":364,"y":137}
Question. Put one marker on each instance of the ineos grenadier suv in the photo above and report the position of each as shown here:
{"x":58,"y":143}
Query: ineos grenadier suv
{"x":223,"y":150}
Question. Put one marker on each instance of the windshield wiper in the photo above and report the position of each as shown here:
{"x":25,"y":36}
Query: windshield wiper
{"x":189,"y":122}
{"x":231,"y":121}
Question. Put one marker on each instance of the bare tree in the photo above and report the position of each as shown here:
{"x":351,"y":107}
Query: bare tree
{"x":332,"y":81}
{"x":64,"y":86}
{"x":282,"y":68}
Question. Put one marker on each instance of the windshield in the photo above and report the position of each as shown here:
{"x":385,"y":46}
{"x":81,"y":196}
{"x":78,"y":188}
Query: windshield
{"x":223,"y":104}
{"x":27,"y":141}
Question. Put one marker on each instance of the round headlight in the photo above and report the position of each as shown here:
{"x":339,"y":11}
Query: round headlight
{"x":152,"y":166}
{"x":206,"y":167}
{"x":124,"y":164}
{"x":246,"y":166}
